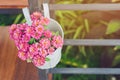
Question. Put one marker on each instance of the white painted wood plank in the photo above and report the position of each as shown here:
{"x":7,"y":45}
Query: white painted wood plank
{"x":92,"y":42}
{"x":105,"y":71}
{"x":85,"y":6}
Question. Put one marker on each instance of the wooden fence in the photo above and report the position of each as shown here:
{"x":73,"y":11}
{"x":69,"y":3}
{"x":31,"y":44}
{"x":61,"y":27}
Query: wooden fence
{"x":37,"y":5}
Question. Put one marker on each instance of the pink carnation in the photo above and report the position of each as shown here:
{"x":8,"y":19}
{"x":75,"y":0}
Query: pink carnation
{"x":57,"y":41}
{"x":45,"y":43}
{"x":38,"y":60}
{"x":22,"y":55}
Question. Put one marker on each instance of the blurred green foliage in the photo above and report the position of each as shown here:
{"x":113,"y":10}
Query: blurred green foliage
{"x":8,"y":19}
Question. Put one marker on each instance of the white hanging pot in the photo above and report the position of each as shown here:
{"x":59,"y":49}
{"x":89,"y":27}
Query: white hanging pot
{"x":54,"y":26}
{"x":56,"y":56}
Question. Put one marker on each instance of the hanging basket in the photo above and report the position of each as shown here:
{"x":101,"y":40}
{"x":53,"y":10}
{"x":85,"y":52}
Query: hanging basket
{"x":56,"y":56}
{"x":39,"y":41}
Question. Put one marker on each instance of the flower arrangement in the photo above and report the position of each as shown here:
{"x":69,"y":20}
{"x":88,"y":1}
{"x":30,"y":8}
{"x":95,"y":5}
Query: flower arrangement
{"x":35,"y":42}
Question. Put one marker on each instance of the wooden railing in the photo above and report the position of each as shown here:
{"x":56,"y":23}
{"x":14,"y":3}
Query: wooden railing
{"x":12,"y":6}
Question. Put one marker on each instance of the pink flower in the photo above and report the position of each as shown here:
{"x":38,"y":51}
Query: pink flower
{"x":48,"y":33}
{"x":12,"y":28}
{"x":23,"y":46}
{"x":39,"y":29}
{"x":16,"y":34}
{"x":33,"y":49}
{"x":38,"y":60}
{"x":51,"y":50}
{"x":29,"y":30}
{"x":43,"y":52}
{"x":36,"y":15}
{"x":57,"y":41}
{"x":35,"y":42}
{"x":22,"y":55}
{"x":36,"y":35}
{"x":23,"y":26}
{"x":36,"y":23}
{"x":38,"y":46}
{"x":45,"y":43}
{"x":25,"y":38}
{"x":30,"y":55}
{"x":44,"y":21}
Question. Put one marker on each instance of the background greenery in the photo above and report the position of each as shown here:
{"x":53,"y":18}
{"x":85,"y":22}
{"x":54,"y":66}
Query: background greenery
{"x":84,"y":25}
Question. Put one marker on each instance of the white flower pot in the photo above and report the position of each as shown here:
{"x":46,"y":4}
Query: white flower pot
{"x":56,"y":56}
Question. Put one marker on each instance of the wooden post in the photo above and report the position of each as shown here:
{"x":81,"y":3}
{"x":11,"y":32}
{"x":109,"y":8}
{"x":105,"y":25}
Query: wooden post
{"x":35,"y":5}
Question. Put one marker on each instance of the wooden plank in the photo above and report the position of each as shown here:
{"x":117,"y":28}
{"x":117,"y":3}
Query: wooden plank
{"x":11,"y":67}
{"x":35,"y":5}
{"x":92,"y":42}
{"x":99,"y":71}
{"x":7,"y":55}
{"x":13,"y":3}
{"x":85,"y":6}
{"x":43,"y":74}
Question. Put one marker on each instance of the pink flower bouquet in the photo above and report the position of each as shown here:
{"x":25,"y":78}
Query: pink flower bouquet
{"x":37,"y":42}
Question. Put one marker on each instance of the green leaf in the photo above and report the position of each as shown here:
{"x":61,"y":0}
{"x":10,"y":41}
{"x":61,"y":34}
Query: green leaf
{"x":116,"y":48}
{"x":116,"y":60}
{"x":47,"y":59}
{"x":113,"y":26}
{"x":32,"y":40}
{"x":87,"y":25}
{"x":77,"y":33}
{"x":17,"y":18}
{"x":29,"y":60}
